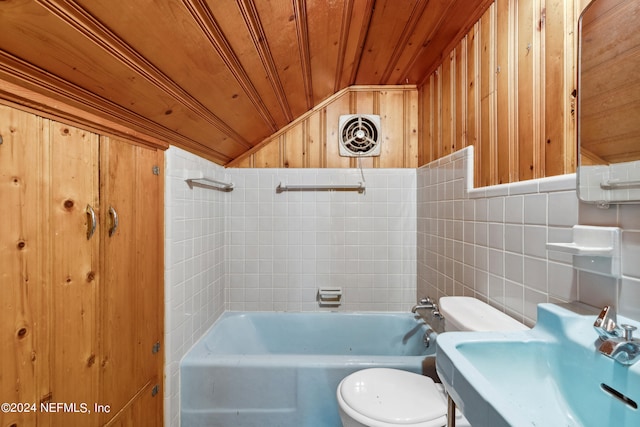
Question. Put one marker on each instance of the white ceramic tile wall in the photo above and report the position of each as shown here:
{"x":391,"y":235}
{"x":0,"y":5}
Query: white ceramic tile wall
{"x":617,"y":173}
{"x":491,"y":242}
{"x":194,"y":263}
{"x":253,"y":249}
{"x":624,"y":293}
{"x":283,"y":247}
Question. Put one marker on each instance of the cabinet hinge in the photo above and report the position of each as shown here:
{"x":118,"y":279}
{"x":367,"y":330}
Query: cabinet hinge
{"x":155,"y":390}
{"x":156,"y":348}
{"x":156,"y":170}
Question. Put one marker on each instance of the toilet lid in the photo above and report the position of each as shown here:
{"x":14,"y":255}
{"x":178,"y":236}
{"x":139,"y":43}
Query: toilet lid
{"x":393,"y":396}
{"x":471,"y":314}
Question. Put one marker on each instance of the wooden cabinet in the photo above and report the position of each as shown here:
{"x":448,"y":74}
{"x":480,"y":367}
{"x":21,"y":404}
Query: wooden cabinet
{"x":81,"y":313}
{"x":131,"y":303}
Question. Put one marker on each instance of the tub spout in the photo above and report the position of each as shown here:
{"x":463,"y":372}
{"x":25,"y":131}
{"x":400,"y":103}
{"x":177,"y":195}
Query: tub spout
{"x":424,"y":304}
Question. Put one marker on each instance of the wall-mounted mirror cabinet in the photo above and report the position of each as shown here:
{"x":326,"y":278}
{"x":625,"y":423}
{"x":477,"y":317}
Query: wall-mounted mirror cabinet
{"x":609,"y":102}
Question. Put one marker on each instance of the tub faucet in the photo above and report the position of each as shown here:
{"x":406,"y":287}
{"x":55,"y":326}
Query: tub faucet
{"x":427,"y":304}
{"x":424,"y":304}
{"x":625,"y":350}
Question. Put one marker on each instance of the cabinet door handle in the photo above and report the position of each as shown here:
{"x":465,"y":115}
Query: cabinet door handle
{"x":91,"y":224}
{"x":114,"y":221}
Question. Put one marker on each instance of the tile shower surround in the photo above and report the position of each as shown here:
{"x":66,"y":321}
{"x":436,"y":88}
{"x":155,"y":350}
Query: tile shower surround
{"x":283,"y":247}
{"x":253,"y":249}
{"x":484,"y":242}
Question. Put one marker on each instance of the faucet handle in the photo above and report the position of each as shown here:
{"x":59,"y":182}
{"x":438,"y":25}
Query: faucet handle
{"x":628,"y":331}
{"x":425,"y":301}
{"x":605,"y":324}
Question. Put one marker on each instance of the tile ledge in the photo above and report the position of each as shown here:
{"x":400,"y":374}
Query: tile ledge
{"x":541,"y":185}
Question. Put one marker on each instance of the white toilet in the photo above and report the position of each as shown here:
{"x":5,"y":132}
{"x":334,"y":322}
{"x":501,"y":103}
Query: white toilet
{"x":383,"y":397}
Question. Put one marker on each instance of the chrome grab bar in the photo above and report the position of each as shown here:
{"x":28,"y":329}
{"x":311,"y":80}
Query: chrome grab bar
{"x":314,"y":187}
{"x":614,"y":184}
{"x":212,"y":184}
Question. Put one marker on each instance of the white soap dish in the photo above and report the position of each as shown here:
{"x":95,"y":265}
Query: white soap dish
{"x":594,"y":249}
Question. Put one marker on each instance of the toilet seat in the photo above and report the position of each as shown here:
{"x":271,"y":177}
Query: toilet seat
{"x":392,"y":397}
{"x":383,"y":397}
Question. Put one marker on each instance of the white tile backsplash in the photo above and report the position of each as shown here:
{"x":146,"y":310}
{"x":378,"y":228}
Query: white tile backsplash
{"x":505,"y":231}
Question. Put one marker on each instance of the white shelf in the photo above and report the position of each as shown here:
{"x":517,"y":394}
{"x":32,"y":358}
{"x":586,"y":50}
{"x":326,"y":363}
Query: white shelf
{"x":575,"y":249}
{"x":594,"y":249}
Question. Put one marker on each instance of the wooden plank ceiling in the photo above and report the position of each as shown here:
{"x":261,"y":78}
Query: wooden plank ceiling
{"x":216,"y":77}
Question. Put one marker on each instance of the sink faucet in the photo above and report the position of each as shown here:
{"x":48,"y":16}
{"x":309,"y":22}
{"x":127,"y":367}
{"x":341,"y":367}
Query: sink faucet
{"x":625,"y":349}
{"x":606,"y":324}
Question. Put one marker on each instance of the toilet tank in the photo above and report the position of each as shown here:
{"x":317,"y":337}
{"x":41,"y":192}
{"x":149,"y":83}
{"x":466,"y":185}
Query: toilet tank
{"x":471,"y":314}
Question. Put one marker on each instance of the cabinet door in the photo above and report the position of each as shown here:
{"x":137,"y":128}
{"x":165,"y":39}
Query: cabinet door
{"x":48,"y":268}
{"x":131,"y":295}
{"x":144,"y":411}
{"x":74,"y":252}
{"x":23,"y":263}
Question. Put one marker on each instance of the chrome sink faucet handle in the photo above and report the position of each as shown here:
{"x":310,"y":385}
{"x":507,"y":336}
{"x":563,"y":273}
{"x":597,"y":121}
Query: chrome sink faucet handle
{"x":606,"y":323}
{"x":625,"y":350}
{"x":628,"y":332}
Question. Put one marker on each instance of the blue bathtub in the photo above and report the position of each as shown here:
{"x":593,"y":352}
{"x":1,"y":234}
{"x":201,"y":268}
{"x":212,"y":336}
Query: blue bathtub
{"x":282,"y":369}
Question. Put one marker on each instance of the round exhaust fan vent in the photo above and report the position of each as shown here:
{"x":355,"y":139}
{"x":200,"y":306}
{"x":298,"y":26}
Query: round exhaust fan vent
{"x":359,"y":135}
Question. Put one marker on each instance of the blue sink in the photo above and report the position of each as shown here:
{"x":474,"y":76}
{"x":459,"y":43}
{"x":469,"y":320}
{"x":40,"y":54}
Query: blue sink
{"x":551,"y":375}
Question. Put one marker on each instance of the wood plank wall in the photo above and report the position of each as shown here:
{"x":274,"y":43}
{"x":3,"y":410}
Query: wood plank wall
{"x":311,"y":141}
{"x":508,"y":89}
{"x":610,"y":83}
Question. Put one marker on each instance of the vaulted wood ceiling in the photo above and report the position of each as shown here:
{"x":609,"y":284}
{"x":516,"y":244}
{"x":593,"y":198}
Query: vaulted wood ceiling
{"x":216,"y":77}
